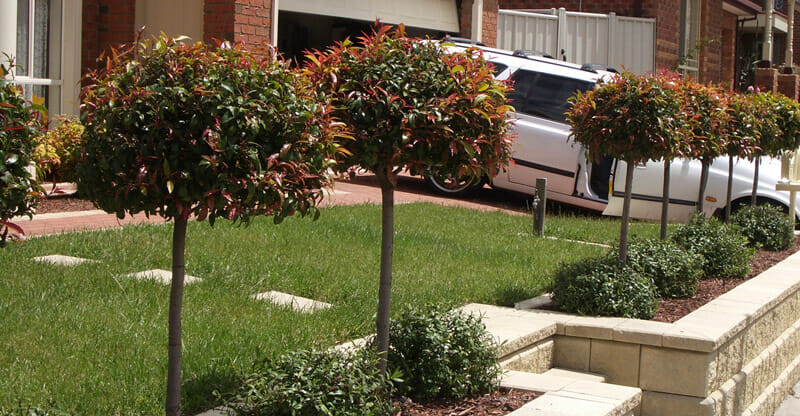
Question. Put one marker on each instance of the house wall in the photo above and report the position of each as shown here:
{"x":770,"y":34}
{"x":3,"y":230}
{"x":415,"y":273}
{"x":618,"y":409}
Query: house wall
{"x":105,"y":23}
{"x":489,"y":27}
{"x":248,"y":21}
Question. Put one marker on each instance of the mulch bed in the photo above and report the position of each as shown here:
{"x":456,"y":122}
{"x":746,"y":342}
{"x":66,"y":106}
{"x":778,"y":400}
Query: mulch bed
{"x":63,"y":203}
{"x":500,"y":402}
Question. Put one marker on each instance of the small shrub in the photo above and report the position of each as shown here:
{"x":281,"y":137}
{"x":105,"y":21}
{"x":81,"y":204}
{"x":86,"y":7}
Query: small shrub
{"x":55,"y":151}
{"x":674,"y":271}
{"x":724,"y":249}
{"x":601,"y":286}
{"x":310,"y":382}
{"x":765,"y":226}
{"x":442,"y":354}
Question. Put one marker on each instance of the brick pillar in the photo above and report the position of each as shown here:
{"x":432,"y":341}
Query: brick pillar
{"x":105,"y":23}
{"x":489,"y":28}
{"x":788,"y":85}
{"x":465,"y":20}
{"x":248,"y":21}
{"x":767,"y":79}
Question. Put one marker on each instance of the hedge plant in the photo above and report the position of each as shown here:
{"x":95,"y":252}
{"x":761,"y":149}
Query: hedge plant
{"x":409,"y":104}
{"x":674,"y":271}
{"x":725,"y":251}
{"x":194,"y":131}
{"x":311,"y":382}
{"x":20,"y":121}
{"x":765,"y":227}
{"x":601,"y":286}
{"x":442,"y":354}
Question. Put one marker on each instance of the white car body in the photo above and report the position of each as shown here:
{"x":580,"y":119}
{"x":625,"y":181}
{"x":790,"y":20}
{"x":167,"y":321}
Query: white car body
{"x":543,"y":148}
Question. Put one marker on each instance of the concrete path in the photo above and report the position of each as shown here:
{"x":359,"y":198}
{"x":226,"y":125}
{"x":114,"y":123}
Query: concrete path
{"x":791,"y":405}
{"x":359,"y":190}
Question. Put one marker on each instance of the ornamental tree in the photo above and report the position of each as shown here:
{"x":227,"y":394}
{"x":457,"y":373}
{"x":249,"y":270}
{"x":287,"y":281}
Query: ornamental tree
{"x":20,"y":122}
{"x":704,"y":108}
{"x":408,"y":104}
{"x":632,"y":118}
{"x":742,"y":137}
{"x":778,"y":126}
{"x":183,"y":131}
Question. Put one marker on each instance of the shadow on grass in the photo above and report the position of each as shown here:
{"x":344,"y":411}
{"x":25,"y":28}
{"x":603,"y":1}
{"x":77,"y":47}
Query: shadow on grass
{"x":202,"y":392}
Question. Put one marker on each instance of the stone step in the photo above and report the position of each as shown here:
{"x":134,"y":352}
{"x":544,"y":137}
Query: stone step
{"x":572,"y":393}
{"x":513,"y":330}
{"x":551,"y":380}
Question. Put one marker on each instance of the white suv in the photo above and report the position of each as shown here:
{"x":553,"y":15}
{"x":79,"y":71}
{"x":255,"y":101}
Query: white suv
{"x":543,"y":148}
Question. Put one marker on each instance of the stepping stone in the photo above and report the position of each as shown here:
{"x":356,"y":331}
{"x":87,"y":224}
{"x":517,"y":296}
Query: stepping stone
{"x":163,"y":276}
{"x":218,"y":411}
{"x":297,"y":303}
{"x":61,"y":260}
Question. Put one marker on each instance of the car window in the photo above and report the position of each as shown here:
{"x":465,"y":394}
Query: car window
{"x":544,"y":95}
{"x":498,"y":68}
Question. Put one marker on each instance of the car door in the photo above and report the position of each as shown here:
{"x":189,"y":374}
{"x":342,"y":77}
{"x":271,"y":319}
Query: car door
{"x":542,"y":148}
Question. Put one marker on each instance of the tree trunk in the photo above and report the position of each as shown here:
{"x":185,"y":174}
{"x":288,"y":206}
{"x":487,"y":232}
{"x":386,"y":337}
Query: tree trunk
{"x":173,"y":406}
{"x":729,"y":193}
{"x":385,"y":288}
{"x":665,"y":200}
{"x":701,"y":194}
{"x":626,"y":213}
{"x":755,"y":181}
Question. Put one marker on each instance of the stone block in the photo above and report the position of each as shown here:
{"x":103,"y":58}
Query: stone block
{"x":729,"y":360}
{"x":571,"y":353}
{"x":637,"y":331}
{"x":674,"y":371}
{"x":592,"y":327}
{"x":619,"y":361}
{"x":514,"y":330}
{"x":536,"y":359}
{"x":661,"y":404}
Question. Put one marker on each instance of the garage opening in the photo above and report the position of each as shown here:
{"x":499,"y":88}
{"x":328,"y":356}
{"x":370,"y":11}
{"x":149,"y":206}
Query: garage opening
{"x":309,"y":24}
{"x":299,"y":32}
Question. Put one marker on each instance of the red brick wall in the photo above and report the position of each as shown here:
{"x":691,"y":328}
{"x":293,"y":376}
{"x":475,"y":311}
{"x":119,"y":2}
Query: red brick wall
{"x":489,"y":28}
{"x":668,"y":34}
{"x":105,"y":23}
{"x":728,"y":45}
{"x":711,"y":28}
{"x":248,"y":21}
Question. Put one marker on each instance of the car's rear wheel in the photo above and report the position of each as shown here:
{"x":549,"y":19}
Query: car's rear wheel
{"x":452,"y":186}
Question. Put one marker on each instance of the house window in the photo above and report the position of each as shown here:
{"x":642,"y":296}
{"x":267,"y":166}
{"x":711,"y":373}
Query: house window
{"x":38,"y":51}
{"x":689,"y":62}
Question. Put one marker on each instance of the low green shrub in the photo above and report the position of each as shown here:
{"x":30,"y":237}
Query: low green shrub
{"x":55,"y":150}
{"x":674,"y":271}
{"x":724,"y":250}
{"x":600,"y":286}
{"x":310,"y":382}
{"x":765,"y":226}
{"x":442,"y":354}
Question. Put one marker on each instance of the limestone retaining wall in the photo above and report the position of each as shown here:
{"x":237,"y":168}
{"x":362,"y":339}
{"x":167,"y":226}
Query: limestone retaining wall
{"x":736,"y":356}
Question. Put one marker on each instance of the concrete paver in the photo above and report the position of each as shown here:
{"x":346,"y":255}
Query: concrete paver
{"x":61,"y":260}
{"x":162,"y":276}
{"x":297,"y":303}
{"x":791,"y":405}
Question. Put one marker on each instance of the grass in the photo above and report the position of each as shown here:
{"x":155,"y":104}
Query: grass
{"x":88,"y":340}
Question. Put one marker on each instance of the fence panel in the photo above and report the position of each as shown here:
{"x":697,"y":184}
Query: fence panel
{"x":584,"y":37}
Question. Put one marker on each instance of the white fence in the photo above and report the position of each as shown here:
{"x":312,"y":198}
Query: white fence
{"x":617,"y":41}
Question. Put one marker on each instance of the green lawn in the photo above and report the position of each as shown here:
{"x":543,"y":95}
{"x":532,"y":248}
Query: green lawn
{"x":86,"y":339}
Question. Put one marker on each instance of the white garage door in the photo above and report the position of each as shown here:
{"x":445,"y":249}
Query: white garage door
{"x":428,"y":14}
